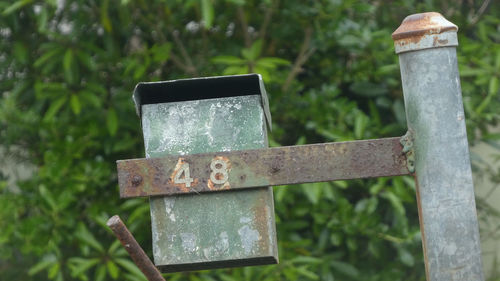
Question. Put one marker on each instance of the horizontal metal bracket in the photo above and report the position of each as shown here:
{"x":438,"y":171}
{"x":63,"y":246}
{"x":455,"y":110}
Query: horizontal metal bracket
{"x":231,"y":170}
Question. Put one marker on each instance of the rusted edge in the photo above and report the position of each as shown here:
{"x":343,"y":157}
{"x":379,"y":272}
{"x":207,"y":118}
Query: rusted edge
{"x":417,"y":25}
{"x":422,"y":226}
{"x":261,"y":167}
{"x":423,"y":31}
{"x":134,"y":249}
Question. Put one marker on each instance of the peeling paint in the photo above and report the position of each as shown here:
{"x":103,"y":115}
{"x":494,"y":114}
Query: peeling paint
{"x":248,"y":238}
{"x":188,"y":242}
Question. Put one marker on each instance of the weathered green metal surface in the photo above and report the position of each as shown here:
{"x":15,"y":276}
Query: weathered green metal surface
{"x":197,"y":231}
{"x":263,"y":167}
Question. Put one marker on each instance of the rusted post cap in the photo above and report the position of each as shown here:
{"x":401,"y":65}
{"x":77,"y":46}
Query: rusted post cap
{"x":424,"y":31}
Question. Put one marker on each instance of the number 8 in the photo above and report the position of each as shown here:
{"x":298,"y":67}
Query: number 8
{"x":222,"y":170}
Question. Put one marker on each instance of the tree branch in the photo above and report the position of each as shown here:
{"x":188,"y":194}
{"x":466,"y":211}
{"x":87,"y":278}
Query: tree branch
{"x":189,"y":66}
{"x":481,"y":11}
{"x":178,"y":62}
{"x":267,"y":19}
{"x":244,"y":26}
{"x":305,"y":52}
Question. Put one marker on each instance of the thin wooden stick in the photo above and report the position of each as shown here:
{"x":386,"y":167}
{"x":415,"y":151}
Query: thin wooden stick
{"x":134,"y":249}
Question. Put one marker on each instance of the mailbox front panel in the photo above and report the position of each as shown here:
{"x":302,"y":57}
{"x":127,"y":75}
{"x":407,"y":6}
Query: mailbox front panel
{"x":211,"y":230}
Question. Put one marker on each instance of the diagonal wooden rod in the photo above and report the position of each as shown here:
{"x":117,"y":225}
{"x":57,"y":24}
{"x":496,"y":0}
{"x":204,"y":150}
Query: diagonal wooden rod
{"x":134,"y":249}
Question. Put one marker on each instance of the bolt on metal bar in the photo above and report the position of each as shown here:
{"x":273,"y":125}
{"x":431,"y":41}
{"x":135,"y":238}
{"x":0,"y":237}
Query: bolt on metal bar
{"x":261,"y":167}
{"x":134,"y":249}
{"x":426,"y":45}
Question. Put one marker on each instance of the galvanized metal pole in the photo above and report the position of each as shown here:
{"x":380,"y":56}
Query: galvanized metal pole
{"x":426,"y":44}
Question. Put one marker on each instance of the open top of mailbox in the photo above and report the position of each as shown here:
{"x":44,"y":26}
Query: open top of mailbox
{"x":200,"y":89}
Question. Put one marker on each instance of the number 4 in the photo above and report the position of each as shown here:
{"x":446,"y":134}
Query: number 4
{"x":183,"y":169}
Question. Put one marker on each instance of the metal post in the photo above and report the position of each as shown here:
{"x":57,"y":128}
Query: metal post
{"x":426,"y":45}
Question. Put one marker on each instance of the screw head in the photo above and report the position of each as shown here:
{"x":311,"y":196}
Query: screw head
{"x":136,"y":180}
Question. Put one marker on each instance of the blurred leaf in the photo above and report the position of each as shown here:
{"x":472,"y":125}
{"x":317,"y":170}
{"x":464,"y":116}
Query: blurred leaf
{"x":67,"y":63}
{"x":100,"y":274}
{"x":235,"y":70}
{"x":46,"y":57}
{"x":86,"y":59}
{"x":207,"y":11}
{"x":76,"y":106}
{"x":271,"y":62}
{"x":345,"y":269}
{"x":81,"y":265}
{"x":406,"y":257}
{"x":493,"y":86}
{"x":16,"y":6}
{"x":105,"y":20}
{"x":360,"y":124}
{"x":399,"y":111}
{"x":41,"y":265}
{"x":306,"y":273}
{"x":131,"y":267}
{"x":253,"y":52}
{"x":84,"y":235}
{"x":228,"y":60}
{"x":161,"y":53}
{"x":112,"y":121}
{"x":307,"y":260}
{"x":48,"y":197}
{"x":20,"y":52}
{"x":70,"y":67}
{"x":368,"y":89}
{"x":395,"y":202}
{"x":112,"y":269}
{"x":54,"y":108}
{"x":313,"y":191}
{"x":53,"y":271}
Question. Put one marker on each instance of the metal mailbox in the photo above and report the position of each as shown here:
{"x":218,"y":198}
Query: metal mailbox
{"x":217,"y":229}
{"x":194,"y":127}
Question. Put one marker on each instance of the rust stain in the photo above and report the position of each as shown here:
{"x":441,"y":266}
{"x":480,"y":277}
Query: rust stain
{"x":438,"y":42}
{"x":130,"y":175}
{"x":262,"y":215}
{"x":399,"y":157}
{"x":422,"y":230}
{"x":136,"y":180}
{"x":443,"y":42}
{"x":277,"y":163}
{"x":415,"y":27}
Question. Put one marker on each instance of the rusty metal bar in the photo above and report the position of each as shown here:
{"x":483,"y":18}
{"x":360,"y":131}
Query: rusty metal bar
{"x":231,"y":170}
{"x":426,"y":45}
{"x":134,"y":249}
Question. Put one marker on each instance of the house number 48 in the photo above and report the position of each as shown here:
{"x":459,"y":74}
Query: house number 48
{"x":219,"y":173}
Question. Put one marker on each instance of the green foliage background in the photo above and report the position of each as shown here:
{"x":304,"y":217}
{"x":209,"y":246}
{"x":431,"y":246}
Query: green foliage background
{"x":67,"y":71}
